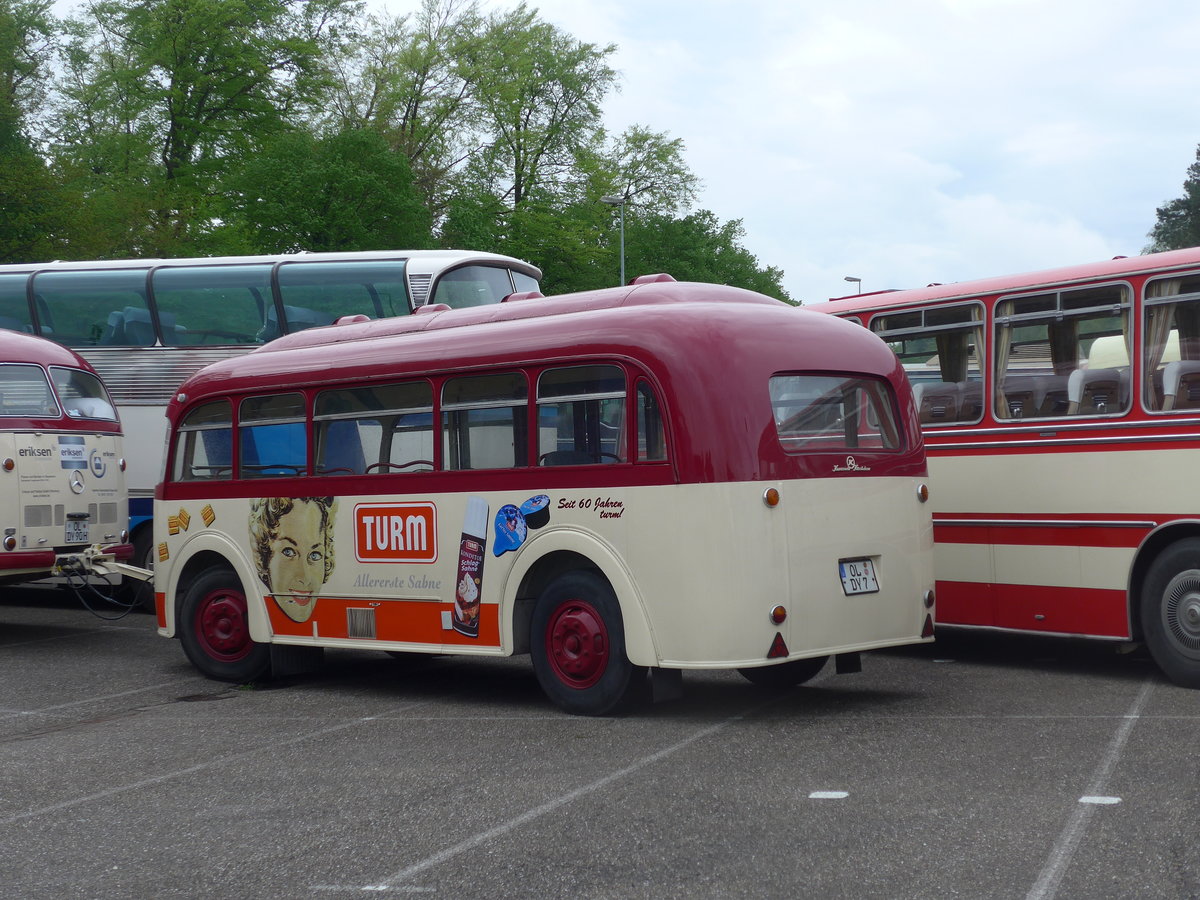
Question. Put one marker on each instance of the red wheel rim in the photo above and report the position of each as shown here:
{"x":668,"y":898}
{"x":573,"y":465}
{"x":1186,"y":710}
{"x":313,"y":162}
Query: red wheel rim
{"x":221,"y":626}
{"x":577,"y":644}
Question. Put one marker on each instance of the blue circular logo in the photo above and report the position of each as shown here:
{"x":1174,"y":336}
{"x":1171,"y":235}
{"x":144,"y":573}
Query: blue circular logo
{"x":97,"y":464}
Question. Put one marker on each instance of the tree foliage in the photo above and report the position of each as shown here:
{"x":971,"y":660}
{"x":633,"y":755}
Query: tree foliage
{"x":1177,"y":222}
{"x":193,"y":127}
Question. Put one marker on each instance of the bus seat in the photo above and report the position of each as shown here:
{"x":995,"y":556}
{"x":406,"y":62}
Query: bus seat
{"x":1050,"y":395}
{"x":937,"y":401}
{"x":970,"y":404}
{"x":139,"y":330}
{"x":343,"y":448}
{"x":1096,"y":391}
{"x":1181,"y":378}
{"x":114,"y":329}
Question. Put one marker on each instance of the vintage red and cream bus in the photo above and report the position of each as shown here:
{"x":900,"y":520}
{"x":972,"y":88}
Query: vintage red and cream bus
{"x":1061,"y":412}
{"x":657,"y":477}
{"x":62,"y":474}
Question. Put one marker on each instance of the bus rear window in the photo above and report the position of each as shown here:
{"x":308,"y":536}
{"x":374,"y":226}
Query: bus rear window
{"x":833,"y":412}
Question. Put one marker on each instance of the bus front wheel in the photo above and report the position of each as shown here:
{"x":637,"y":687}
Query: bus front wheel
{"x":578,"y":646}
{"x":214,"y":629}
{"x":785,"y":675}
{"x":1171,"y":612}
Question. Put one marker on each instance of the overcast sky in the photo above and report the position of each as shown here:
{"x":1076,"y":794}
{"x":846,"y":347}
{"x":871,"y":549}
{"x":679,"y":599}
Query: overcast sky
{"x":911,"y":141}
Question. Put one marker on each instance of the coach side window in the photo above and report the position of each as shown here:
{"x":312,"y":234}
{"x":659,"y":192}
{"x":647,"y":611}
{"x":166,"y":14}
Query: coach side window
{"x":1063,"y":354}
{"x":651,"y":437}
{"x":104,"y":307}
{"x":581,"y":416}
{"x":485,"y":422}
{"x":940,"y":349}
{"x":1171,"y":355}
{"x":374,"y":430}
{"x":271,"y":436}
{"x":204,"y":446}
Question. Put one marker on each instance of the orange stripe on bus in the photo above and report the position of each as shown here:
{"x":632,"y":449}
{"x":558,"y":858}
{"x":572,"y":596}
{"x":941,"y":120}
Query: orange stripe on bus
{"x":408,"y":621}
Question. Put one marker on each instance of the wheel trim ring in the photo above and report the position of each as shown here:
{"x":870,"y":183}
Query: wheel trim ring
{"x":577,"y":644}
{"x":1181,"y":610}
{"x":221,"y":626}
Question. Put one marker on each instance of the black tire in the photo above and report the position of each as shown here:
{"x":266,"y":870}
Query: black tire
{"x":215,"y":632}
{"x":577,"y":641}
{"x":785,"y":675}
{"x":1170,"y":612}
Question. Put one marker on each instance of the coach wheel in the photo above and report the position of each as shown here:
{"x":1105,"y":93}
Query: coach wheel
{"x":214,"y":629}
{"x":578,"y":646}
{"x":1171,"y":612}
{"x":785,"y":675}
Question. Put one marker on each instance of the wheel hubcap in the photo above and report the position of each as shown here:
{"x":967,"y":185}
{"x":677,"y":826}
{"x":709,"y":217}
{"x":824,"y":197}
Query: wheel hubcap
{"x":577,"y":642}
{"x":1181,"y":610}
{"x":221,"y":624}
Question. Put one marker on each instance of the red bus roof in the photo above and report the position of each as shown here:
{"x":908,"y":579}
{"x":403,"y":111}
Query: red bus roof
{"x":710,"y":349}
{"x":18,"y":347}
{"x":1121,"y":266}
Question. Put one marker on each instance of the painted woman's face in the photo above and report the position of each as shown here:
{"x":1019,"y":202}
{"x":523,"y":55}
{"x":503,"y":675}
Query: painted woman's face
{"x":296,"y":569}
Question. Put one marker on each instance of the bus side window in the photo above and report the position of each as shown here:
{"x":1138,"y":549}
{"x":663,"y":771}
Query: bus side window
{"x":14,"y":308}
{"x":485,"y":422}
{"x":375,"y":430}
{"x":93,"y":304}
{"x":211,"y":304}
{"x":271,"y":436}
{"x":204,"y":448}
{"x":581,"y":416}
{"x":651,"y":439}
{"x":474,"y":286}
{"x":319,"y":293}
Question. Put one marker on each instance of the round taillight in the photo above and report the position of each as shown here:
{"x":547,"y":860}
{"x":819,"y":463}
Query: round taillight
{"x":10,"y":543}
{"x":121,"y":464}
{"x":124,"y":536}
{"x":928,"y":598}
{"x":9,"y":464}
{"x":922,"y":492}
{"x":771,"y":497}
{"x":778,"y":614}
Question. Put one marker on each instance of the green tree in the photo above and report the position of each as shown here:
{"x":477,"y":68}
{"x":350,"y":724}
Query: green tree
{"x":406,"y":78}
{"x":344,"y":191}
{"x":1177,"y":222}
{"x":161,"y":96}
{"x":697,"y":247}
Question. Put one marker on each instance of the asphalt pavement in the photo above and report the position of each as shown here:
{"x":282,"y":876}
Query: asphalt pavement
{"x":981,"y":766}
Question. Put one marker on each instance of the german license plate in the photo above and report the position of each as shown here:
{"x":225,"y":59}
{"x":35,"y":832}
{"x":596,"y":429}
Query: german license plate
{"x":858,"y":576}
{"x":77,"y":531}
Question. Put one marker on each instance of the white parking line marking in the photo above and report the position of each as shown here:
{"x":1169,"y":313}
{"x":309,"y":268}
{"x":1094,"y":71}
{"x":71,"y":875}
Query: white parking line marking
{"x":828,"y":795}
{"x":1060,"y":856}
{"x":390,"y":883}
{"x":1100,"y":801}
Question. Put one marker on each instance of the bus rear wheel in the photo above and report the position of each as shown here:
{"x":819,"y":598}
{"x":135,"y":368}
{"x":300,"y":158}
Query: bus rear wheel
{"x":214,"y":629}
{"x":578,"y":646}
{"x":785,"y":675}
{"x":1170,"y":612}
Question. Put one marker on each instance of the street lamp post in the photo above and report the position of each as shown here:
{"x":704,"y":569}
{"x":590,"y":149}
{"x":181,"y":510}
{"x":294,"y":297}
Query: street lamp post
{"x":619,"y":203}
{"x":855,"y":281}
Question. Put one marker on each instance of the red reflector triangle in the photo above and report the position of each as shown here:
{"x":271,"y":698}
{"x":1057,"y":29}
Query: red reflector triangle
{"x":927,"y":631}
{"x":778,"y":648}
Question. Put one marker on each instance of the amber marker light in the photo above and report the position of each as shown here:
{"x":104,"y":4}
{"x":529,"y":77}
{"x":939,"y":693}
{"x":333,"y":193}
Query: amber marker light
{"x":9,"y":464}
{"x":922,"y":492}
{"x":778,"y":614}
{"x":771,"y":497}
{"x":10,"y":543}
